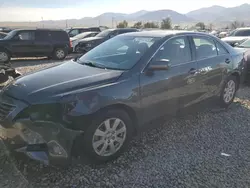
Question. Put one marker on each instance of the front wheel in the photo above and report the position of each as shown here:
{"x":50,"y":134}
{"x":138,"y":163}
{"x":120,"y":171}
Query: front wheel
{"x":4,"y":56}
{"x":108,"y":136}
{"x":228,"y":91}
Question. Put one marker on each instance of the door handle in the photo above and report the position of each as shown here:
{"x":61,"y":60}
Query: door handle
{"x":227,"y":61}
{"x":192,"y":71}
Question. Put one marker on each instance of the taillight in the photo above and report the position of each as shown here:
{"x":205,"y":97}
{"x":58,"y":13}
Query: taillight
{"x":70,"y":44}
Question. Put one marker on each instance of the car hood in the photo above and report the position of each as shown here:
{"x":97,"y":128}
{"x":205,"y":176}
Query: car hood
{"x":88,"y":39}
{"x":233,"y":39}
{"x":46,"y":84}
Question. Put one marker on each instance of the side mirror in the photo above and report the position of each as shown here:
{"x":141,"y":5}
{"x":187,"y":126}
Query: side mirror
{"x":161,"y":64}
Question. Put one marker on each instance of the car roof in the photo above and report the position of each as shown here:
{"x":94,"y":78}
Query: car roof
{"x":243,"y":28}
{"x":32,"y":29}
{"x":81,"y":27}
{"x":163,"y":33}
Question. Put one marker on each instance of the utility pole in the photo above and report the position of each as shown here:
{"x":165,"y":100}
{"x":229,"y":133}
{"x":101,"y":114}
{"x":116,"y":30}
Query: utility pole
{"x":42,"y":22}
{"x":112,"y":22}
{"x":66,"y":23}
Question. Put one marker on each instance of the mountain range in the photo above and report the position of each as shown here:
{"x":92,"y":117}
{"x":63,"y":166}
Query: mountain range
{"x":215,"y":14}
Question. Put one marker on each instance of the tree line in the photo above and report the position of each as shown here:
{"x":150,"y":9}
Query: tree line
{"x":165,"y":24}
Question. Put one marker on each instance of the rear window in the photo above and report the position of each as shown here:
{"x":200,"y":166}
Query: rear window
{"x":59,"y":35}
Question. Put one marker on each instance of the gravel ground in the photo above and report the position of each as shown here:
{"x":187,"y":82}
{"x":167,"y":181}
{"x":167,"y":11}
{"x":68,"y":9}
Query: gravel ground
{"x":209,"y":149}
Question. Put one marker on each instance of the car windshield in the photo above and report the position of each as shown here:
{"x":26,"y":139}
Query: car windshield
{"x":245,"y":44}
{"x":82,"y":35}
{"x":10,"y":35}
{"x":104,"y":33}
{"x":120,"y":53}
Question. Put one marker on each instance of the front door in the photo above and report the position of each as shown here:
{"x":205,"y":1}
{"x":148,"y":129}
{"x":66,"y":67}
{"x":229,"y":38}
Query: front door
{"x":22,"y":43}
{"x":162,"y":91}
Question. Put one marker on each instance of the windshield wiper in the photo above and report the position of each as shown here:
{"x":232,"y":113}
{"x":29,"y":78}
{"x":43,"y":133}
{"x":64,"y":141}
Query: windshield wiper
{"x":93,"y":64}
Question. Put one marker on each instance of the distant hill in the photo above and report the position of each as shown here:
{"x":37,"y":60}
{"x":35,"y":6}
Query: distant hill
{"x":161,"y":14}
{"x":221,"y":14}
{"x":216,"y":14}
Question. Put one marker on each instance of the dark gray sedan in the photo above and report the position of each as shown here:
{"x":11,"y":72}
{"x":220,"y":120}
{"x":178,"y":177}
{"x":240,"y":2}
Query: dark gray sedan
{"x":93,"y":105}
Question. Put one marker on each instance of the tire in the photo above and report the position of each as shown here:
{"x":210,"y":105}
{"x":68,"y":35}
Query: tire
{"x":77,"y":49}
{"x":227,"y":97}
{"x":90,"y":139}
{"x":59,"y":54}
{"x":4,"y":56}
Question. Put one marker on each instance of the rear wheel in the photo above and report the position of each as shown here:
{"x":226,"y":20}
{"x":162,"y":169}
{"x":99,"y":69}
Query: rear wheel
{"x":108,"y":136}
{"x":59,"y":54}
{"x":228,"y":92}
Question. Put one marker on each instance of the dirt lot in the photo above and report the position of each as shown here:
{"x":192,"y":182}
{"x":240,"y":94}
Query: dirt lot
{"x":208,"y":149}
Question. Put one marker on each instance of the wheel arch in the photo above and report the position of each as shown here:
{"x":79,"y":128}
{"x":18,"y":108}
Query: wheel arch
{"x":237,"y":76}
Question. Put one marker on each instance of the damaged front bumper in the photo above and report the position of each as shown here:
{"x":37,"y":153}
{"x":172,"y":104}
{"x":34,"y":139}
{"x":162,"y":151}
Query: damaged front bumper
{"x":45,"y":141}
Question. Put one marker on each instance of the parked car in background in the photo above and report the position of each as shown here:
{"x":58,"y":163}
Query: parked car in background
{"x":35,"y":42}
{"x":223,"y":34}
{"x":93,"y":105}
{"x":237,"y":35}
{"x":75,"y":40}
{"x":2,"y":35}
{"x":77,"y":30}
{"x":244,"y":46}
{"x":5,"y":29}
{"x":89,"y":43}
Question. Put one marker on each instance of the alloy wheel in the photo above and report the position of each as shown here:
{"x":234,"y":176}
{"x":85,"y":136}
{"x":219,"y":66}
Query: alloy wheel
{"x":109,"y":137}
{"x":3,"y":56}
{"x":229,"y":91}
{"x":60,"y":54}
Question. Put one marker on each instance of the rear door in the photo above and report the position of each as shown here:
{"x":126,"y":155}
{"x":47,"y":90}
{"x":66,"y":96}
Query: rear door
{"x":43,"y":45}
{"x":23,"y":43}
{"x":164,"y":91}
{"x":212,"y":58}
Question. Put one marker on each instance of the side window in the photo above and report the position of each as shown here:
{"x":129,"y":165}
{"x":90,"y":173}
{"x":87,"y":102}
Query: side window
{"x":83,"y":30}
{"x":221,"y":49}
{"x":58,"y":36}
{"x":176,"y":50}
{"x":26,"y":35}
{"x":205,"y":48}
{"x":42,"y":35}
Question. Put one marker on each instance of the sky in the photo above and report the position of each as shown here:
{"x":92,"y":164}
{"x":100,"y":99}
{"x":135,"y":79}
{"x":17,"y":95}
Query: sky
{"x":36,"y":10}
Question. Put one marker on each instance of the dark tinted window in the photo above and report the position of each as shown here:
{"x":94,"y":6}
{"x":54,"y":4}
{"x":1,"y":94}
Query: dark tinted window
{"x":221,"y":49}
{"x":42,"y":35}
{"x":58,"y":35}
{"x":242,"y":32}
{"x":176,"y":50}
{"x":96,"y":29}
{"x":205,"y":47}
{"x":84,"y":30}
{"x":26,"y":35}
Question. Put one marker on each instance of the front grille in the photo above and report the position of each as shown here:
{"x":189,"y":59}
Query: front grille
{"x":5,"y":109}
